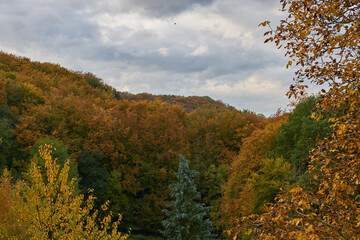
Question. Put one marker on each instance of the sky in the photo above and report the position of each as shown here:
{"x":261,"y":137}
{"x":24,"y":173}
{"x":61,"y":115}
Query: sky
{"x":189,"y":47}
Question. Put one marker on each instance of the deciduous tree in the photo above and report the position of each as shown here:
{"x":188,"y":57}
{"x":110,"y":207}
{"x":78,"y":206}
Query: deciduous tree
{"x":323,"y":39}
{"x":240,"y":197}
{"x":49,"y":208}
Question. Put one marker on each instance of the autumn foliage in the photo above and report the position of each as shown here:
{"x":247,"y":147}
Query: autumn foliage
{"x":322,"y":38}
{"x":289,"y":176}
{"x":47,"y":206}
{"x":128,"y":143}
{"x":242,"y":196}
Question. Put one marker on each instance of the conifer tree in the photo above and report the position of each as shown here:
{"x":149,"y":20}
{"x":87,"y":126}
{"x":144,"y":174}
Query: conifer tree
{"x":186,"y":218}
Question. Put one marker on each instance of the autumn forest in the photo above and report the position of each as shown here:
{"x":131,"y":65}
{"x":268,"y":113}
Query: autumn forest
{"x":81,"y":160}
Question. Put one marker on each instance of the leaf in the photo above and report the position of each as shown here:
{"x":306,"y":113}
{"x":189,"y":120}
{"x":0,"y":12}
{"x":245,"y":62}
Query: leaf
{"x":263,"y":24}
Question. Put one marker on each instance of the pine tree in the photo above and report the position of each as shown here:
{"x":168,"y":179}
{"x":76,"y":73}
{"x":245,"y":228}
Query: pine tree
{"x":186,"y":217}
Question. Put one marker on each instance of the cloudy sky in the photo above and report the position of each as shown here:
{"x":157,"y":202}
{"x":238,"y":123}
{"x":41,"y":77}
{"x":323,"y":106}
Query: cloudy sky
{"x":188,"y":47}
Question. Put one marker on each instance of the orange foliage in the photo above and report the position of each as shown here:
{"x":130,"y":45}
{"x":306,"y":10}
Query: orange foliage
{"x":5,"y":197}
{"x":139,"y":139}
{"x":322,"y":37}
{"x":239,"y":198}
{"x":216,"y":137}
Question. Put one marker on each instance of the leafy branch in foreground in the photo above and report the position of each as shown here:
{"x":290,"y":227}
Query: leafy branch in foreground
{"x":322,"y":38}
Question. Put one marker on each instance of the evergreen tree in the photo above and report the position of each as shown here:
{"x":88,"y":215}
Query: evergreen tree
{"x":186,"y":218}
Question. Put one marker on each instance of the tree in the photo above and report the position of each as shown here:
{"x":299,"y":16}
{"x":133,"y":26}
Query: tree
{"x":241,"y":196}
{"x":298,"y":136}
{"x":59,"y":152}
{"x":322,"y":38}
{"x":186,"y":218}
{"x":6,"y":135}
{"x":93,"y":175}
{"x":49,"y":208}
{"x":212,"y":191}
{"x":120,"y":202}
{"x":8,"y":220}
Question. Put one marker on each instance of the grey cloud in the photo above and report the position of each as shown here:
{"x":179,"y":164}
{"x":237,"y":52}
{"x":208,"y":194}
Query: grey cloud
{"x":65,"y":32}
{"x":153,"y":8}
{"x":220,"y":62}
{"x":48,"y":25}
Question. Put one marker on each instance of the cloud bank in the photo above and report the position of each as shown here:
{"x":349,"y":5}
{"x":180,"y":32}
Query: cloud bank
{"x":190,"y":47}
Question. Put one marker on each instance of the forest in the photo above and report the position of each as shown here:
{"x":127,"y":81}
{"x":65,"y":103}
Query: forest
{"x":81,"y":160}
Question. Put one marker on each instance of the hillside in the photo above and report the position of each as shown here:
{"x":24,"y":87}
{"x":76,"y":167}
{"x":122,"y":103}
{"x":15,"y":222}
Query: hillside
{"x":128,"y":143}
{"x":187,"y":103}
{"x":11,"y":64}
{"x":125,"y":147}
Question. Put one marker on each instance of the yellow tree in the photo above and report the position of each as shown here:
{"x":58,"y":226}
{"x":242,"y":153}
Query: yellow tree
{"x":8,"y":219}
{"x":240,"y":195}
{"x":322,"y":38}
{"x":48,"y":207}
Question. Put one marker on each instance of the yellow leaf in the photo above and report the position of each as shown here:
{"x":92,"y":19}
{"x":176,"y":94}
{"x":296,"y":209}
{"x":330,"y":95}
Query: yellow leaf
{"x":288,"y":64}
{"x":248,"y":232}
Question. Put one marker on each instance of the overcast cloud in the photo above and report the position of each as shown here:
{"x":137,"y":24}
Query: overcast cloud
{"x":188,"y":47}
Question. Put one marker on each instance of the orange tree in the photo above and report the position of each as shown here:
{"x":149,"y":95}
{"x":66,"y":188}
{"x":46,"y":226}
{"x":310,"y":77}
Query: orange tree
{"x":241,"y":197}
{"x":322,"y":39}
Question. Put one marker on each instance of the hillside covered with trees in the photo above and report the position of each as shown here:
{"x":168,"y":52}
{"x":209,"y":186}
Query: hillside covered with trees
{"x":125,"y":150}
{"x":80,"y":159}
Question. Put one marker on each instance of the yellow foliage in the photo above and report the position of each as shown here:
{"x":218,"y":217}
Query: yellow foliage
{"x":48,"y":207}
{"x":322,"y":38}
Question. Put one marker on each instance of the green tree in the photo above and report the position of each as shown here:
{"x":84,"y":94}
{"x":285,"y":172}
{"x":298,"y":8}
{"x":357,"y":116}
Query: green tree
{"x":59,"y":152}
{"x":120,"y":201}
{"x":212,"y":191}
{"x":93,"y":175}
{"x":298,"y":135}
{"x":186,"y":218}
{"x":6,"y":134}
{"x":267,"y":182}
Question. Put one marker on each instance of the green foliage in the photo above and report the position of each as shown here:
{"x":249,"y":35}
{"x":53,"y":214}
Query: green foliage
{"x":6,"y":135}
{"x":186,"y":218}
{"x":19,"y":95}
{"x":298,"y":135}
{"x":94,"y":82}
{"x":59,"y":152}
{"x":142,"y":237}
{"x":120,"y":203}
{"x":93,"y":175}
{"x":212,"y":191}
{"x":10,"y":76}
{"x":268,"y":181}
